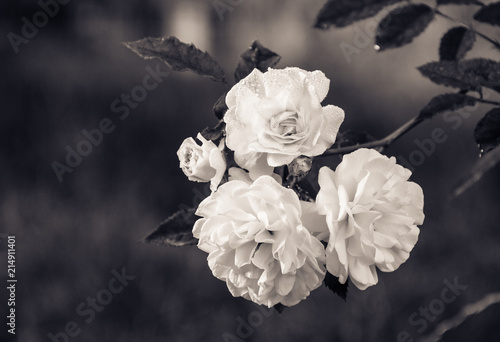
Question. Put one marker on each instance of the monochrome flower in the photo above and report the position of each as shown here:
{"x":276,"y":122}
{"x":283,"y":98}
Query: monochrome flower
{"x":205,"y":163}
{"x":276,"y":116}
{"x":257,"y":243}
{"x":372,"y":212}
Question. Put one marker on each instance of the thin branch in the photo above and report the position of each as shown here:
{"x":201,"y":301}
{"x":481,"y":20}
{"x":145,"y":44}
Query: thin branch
{"x":496,"y":103}
{"x":469,"y":310}
{"x":487,"y":162}
{"x":384,"y":142}
{"x":482,"y":35}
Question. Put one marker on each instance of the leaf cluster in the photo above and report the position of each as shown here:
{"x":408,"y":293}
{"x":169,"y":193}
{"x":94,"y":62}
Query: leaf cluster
{"x":401,"y":25}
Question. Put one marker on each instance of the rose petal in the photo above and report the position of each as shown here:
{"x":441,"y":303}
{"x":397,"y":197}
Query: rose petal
{"x":255,"y":163}
{"x":284,"y":284}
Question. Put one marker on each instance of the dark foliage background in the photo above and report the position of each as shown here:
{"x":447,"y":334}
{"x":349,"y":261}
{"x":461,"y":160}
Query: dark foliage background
{"x":71,"y":235}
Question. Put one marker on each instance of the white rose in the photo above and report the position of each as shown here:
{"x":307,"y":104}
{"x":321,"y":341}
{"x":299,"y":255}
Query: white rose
{"x":257,"y":243}
{"x":372,"y":212}
{"x":276,"y":116}
{"x":205,"y":163}
{"x":235,"y":173}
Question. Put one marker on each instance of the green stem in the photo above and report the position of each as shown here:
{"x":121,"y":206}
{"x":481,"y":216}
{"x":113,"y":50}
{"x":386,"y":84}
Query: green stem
{"x":482,"y":35}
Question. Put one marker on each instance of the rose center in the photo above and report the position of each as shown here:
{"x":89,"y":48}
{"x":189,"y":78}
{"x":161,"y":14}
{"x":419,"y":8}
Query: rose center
{"x":285,"y":124}
{"x":189,"y":158}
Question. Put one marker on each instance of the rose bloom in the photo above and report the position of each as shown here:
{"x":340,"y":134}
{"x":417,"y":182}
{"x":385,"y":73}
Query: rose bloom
{"x":276,"y":116}
{"x":235,"y":173}
{"x":372,"y":212}
{"x":257,"y":243}
{"x":204,"y":163}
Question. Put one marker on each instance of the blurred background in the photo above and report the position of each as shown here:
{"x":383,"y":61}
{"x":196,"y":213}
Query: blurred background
{"x":72,"y":234}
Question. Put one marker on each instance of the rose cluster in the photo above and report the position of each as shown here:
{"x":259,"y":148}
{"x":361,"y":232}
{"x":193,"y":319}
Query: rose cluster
{"x":267,"y":244}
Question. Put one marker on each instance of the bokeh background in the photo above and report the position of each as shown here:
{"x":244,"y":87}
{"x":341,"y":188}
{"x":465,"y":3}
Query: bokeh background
{"x":72,"y":234}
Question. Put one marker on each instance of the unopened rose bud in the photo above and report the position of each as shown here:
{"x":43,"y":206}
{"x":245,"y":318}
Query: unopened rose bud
{"x":204,"y":163}
{"x":300,"y":166}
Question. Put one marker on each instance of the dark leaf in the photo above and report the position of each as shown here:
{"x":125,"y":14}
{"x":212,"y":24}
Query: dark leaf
{"x":445,"y":73}
{"x":489,"y":14}
{"x":257,"y":56}
{"x":476,"y":172}
{"x":445,"y":102}
{"x":451,"y":74}
{"x":459,"y":2}
{"x":402,"y":25}
{"x":481,"y":71}
{"x":455,"y":43}
{"x":487,"y":132}
{"x":215,"y":133}
{"x":332,"y":282}
{"x":178,"y":55}
{"x":220,"y":107}
{"x":176,"y":230}
{"x":340,"y":13}
{"x":279,"y":307}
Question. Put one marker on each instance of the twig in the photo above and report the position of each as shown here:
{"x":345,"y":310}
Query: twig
{"x":384,"y":142}
{"x":468,"y":310}
{"x":496,"y":103}
{"x":488,"y":161}
{"x":482,"y":35}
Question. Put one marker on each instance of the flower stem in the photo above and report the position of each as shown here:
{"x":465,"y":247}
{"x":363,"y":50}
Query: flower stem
{"x":482,"y":35}
{"x":384,"y":142}
{"x":496,"y":103}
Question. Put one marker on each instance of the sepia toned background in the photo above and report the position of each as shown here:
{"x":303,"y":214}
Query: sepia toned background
{"x":72,"y":234}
